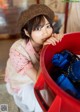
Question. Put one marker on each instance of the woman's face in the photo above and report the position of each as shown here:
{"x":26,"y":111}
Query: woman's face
{"x":42,"y":32}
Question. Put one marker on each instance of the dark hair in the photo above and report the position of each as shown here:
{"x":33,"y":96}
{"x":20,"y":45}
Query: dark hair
{"x":32,"y":24}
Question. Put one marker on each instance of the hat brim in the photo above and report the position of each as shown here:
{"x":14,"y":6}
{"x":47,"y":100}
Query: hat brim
{"x":33,"y":11}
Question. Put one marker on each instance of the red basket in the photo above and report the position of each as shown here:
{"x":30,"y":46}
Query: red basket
{"x":63,"y":102}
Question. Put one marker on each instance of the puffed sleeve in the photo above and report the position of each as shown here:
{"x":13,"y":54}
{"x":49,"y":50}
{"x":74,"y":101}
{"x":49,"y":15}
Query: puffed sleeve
{"x":19,"y":62}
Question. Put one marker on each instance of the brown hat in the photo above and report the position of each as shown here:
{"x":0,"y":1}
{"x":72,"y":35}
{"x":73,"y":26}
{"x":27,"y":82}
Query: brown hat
{"x":33,"y":11}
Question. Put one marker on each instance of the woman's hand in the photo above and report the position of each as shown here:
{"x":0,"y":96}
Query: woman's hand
{"x":54,"y":39}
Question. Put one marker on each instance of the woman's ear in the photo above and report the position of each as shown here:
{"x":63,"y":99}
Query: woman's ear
{"x":26,"y":33}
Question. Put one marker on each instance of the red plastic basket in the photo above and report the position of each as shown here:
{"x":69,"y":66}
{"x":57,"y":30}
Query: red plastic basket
{"x":63,"y":102}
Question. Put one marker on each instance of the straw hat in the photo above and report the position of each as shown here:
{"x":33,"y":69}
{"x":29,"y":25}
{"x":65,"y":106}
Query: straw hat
{"x":33,"y":11}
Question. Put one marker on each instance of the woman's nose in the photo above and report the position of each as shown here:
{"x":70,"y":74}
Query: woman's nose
{"x":45,"y":30}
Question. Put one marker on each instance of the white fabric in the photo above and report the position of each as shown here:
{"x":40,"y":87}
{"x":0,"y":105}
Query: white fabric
{"x":26,"y":100}
{"x":73,"y":18}
{"x":29,"y":99}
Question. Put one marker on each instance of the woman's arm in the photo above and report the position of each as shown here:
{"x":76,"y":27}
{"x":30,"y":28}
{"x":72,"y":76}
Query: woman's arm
{"x":54,"y":39}
{"x":22,"y":65}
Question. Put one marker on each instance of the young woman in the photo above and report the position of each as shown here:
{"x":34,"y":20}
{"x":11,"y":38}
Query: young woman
{"x":23,"y":68}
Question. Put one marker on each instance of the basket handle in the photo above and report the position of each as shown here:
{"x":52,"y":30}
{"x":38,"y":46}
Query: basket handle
{"x":56,"y":104}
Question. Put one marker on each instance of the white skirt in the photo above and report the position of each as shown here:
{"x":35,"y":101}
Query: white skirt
{"x":25,"y":99}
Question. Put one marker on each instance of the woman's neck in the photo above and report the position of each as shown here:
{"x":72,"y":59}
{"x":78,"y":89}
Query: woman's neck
{"x":36,"y":46}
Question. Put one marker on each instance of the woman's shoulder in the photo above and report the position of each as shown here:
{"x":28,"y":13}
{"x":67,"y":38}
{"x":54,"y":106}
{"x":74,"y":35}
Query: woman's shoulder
{"x":18,"y":43}
{"x":20,"y":47}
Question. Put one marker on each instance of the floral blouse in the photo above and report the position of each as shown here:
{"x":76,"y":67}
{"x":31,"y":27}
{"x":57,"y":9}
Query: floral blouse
{"x":22,"y":57}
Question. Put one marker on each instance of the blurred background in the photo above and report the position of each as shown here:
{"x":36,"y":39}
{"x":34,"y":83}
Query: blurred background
{"x":10,"y":11}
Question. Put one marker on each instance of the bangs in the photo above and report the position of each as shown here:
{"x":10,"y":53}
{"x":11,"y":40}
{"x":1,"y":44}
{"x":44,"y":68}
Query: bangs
{"x":37,"y":21}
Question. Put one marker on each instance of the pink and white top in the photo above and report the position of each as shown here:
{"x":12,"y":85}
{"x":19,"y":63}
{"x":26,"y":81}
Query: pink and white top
{"x":22,"y":57}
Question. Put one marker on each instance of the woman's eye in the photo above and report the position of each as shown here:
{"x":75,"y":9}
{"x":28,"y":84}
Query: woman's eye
{"x":38,"y":28}
{"x":48,"y":26}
